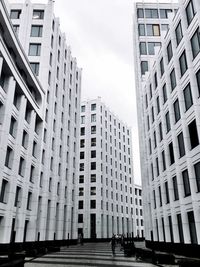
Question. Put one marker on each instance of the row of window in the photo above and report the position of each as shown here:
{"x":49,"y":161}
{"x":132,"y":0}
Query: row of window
{"x":37,"y":14}
{"x":153,"y":13}
{"x":93,"y":180}
{"x":148,"y":48}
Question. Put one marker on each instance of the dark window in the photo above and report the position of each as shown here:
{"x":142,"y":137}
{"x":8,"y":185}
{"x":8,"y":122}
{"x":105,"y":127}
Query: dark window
{"x":8,"y":159}
{"x":163,"y":160}
{"x":198,"y":80}
{"x":197,"y":175}
{"x":82,"y":130}
{"x":192,"y":227}
{"x":4,"y":187}
{"x":21,"y":166}
{"x":171,"y":229}
{"x":194,"y":139}
{"x":150,"y":150}
{"x":82,"y":155}
{"x":190,"y":12}
{"x":29,"y":199}
{"x":13,"y":124}
{"x":180,"y":228}
{"x":167,"y":192}
{"x":93,"y":154}
{"x":162,"y":70}
{"x":93,"y":129}
{"x":80,"y":204}
{"x":152,"y":114}
{"x":144,"y":67}
{"x":154,"y":198}
{"x":164,"y":89}
{"x":93,"y":204}
{"x":183,"y":63}
{"x":195,"y":43}
{"x":188,"y":97}
{"x":177,"y":114}
{"x":80,"y":218}
{"x":158,"y":104}
{"x":93,"y":166}
{"x":155,"y":143}
{"x":173,"y":79}
{"x":186,"y":183}
{"x":160,"y":195}
{"x":181,"y":145}
{"x":163,"y":228}
{"x":143,"y":48}
{"x":152,"y":172}
{"x":150,"y":91}
{"x":93,"y":178}
{"x":171,"y":153}
{"x":157,"y":167}
{"x":155,"y":80}
{"x":17,"y":195}
{"x":169,"y":51}
{"x":179,"y":33}
{"x":160,"y":131}
{"x":175,"y":188}
{"x":167,"y":118}
{"x":141,"y":29}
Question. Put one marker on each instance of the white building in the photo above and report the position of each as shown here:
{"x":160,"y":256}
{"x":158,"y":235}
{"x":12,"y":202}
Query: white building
{"x":169,"y":111}
{"x":21,"y":120}
{"x":50,"y":57}
{"x":139,"y":219}
{"x":106,"y":184}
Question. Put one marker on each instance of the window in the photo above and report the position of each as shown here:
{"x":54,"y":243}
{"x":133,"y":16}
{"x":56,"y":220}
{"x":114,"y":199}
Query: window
{"x":93,"y":118}
{"x":167,"y":192}
{"x":163,"y":160}
{"x":186,"y":183}
{"x":93,"y":129}
{"x":82,"y":119}
{"x":93,"y":166}
{"x":195,"y":43}
{"x":158,"y":105}
{"x":179,"y":33}
{"x":151,"y":13}
{"x":143,"y":48}
{"x":141,"y":29}
{"x":93,"y":154}
{"x":82,"y":108}
{"x":81,"y":191}
{"x":180,"y":228}
{"x":177,"y":114}
{"x":154,"y":198}
{"x":183,"y":63}
{"x":29,"y":200}
{"x":93,"y":141}
{"x":167,"y":118}
{"x":192,"y":227}
{"x":15,"y":14}
{"x":93,"y":191}
{"x":81,"y":179}
{"x":9,"y":158}
{"x":171,"y":153}
{"x":155,"y":80}
{"x":175,"y":188}
{"x":36,"y":30}
{"x":21,"y":169}
{"x":80,"y":218}
{"x":81,"y":167}
{"x":4,"y":191}
{"x":17,"y":196}
{"x":153,"y":29}
{"x":34,"y":49}
{"x":25,"y":139}
{"x":169,"y":51}
{"x":188,"y":97}
{"x":13,"y":125}
{"x":164,"y":13}
{"x":173,"y":79}
{"x":194,"y":139}
{"x":80,"y":204}
{"x":157,"y":167}
{"x":197,"y":175}
{"x":35,"y":67}
{"x":155,"y":143}
{"x":32,"y":171}
{"x":181,"y":145}
{"x":164,"y":91}
{"x":162,"y":70}
{"x":151,"y":47}
{"x":93,"y":107}
{"x":82,"y":130}
{"x":198,"y":80}
{"x":152,"y":114}
{"x":190,"y":12}
{"x":38,"y":14}
{"x":171,"y":229}
{"x":144,"y":67}
{"x":93,"y":178}
{"x":93,"y":204}
{"x":160,"y":131}
{"x":140,"y":13}
{"x":82,"y":155}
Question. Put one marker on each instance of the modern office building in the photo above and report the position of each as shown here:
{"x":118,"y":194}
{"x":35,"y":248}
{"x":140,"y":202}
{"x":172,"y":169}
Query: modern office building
{"x":169,"y":108}
{"x":21,"y":124}
{"x":106,"y":183}
{"x":139,"y":219}
{"x":50,"y":58}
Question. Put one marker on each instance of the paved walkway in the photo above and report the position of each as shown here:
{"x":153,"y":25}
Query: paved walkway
{"x":90,"y":254}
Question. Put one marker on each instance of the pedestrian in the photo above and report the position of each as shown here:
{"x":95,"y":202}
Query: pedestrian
{"x":113,"y":244}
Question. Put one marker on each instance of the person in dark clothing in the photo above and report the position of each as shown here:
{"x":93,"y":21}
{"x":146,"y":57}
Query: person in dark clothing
{"x":113,"y":244}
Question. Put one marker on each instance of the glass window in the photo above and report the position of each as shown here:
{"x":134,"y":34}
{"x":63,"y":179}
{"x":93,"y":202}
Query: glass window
{"x":93,"y":166}
{"x":4,"y":191}
{"x":93,"y":191}
{"x":198,"y":80}
{"x":82,"y":130}
{"x":190,"y":12}
{"x":194,"y":139}
{"x":177,"y":114}
{"x":80,"y":204}
{"x":35,"y":67}
{"x":15,"y":13}
{"x":93,"y":178}
{"x":34,"y":49}
{"x":143,"y":48}
{"x":179,"y":33}
{"x":164,"y":90}
{"x":38,"y":14}
{"x":188,"y":97}
{"x":93,"y":129}
{"x":167,"y":192}
{"x":93,"y":107}
{"x":151,"y":47}
{"x":171,"y":153}
{"x":162,"y":70}
{"x":180,"y":228}
{"x":36,"y":30}
{"x":93,"y":204}
{"x":151,"y":13}
{"x":181,"y":145}
{"x":175,"y":188}
{"x":82,"y":108}
{"x":183,"y":63}
{"x":9,"y":158}
{"x":173,"y":79}
{"x":144,"y":67}
{"x":140,"y":13}
{"x":197,"y":175}
{"x":93,"y":117}
{"x":169,"y":51}
{"x":195,"y":43}
{"x":164,"y":13}
{"x":160,"y":131}
{"x":164,"y":27}
{"x":163,"y":160}
{"x":153,"y":29}
{"x":186,"y":183}
{"x":167,"y":118}
{"x":141,"y":29}
{"x":93,"y":154}
{"x":192,"y":227}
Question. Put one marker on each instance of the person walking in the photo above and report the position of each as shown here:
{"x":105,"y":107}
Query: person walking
{"x":113,"y":244}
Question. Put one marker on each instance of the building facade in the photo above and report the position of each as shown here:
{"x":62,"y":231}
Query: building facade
{"x":170,"y":133}
{"x":139,"y":219}
{"x":106,"y":184}
{"x":21,"y":123}
{"x":50,"y":58}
